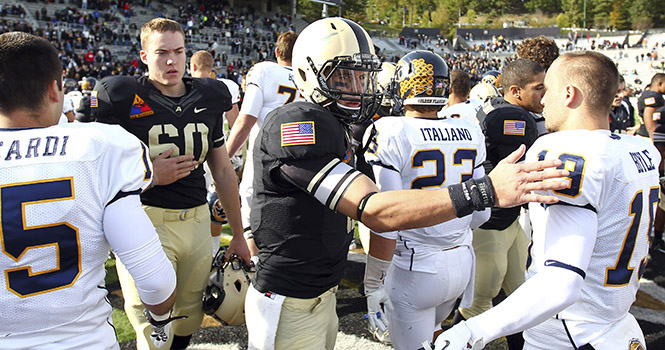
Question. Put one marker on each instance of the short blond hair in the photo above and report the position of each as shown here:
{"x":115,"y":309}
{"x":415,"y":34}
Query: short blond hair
{"x":203,"y":60}
{"x":159,"y":25}
{"x":593,"y":73}
{"x":285,"y":43}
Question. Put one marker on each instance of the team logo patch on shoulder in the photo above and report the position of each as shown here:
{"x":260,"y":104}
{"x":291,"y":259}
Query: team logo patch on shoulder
{"x":635,"y":345}
{"x":650,"y":101}
{"x":140,"y":108}
{"x":299,"y":133}
{"x":94,"y":103}
{"x":514,"y":127}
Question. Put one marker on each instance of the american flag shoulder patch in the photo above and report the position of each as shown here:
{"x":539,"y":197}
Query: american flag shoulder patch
{"x":514,"y":127}
{"x":298,"y":133}
{"x":650,"y":101}
{"x":93,"y":99}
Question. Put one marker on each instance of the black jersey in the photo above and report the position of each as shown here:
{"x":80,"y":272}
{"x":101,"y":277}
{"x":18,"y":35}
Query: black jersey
{"x":506,"y":127}
{"x":649,"y":98}
{"x":299,"y":177}
{"x":191,"y":124}
{"x":620,"y":118}
{"x":653,"y":99}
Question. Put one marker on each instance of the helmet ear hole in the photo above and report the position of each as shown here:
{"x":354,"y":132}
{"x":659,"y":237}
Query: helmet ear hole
{"x":224,"y":297}
{"x":303,"y":75}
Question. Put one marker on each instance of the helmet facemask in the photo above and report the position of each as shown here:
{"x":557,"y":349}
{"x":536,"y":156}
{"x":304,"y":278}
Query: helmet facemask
{"x":349,"y":86}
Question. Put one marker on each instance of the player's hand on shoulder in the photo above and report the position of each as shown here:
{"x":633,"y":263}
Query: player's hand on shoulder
{"x":378,"y":307}
{"x":459,"y":337}
{"x":513,"y":183}
{"x":238,"y":246}
{"x":169,"y":170}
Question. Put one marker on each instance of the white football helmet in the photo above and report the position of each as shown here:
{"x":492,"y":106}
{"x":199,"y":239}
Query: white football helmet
{"x":335,"y":66}
{"x":483,"y":92}
{"x":385,"y":79}
{"x":224,"y":297}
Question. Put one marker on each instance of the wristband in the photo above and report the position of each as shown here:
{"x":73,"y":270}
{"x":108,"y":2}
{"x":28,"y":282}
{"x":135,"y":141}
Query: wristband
{"x":361,"y":206}
{"x":471,"y":195}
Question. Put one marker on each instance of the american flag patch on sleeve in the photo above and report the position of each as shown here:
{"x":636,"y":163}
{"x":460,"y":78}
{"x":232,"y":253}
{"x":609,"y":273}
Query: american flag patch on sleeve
{"x":514,"y":127}
{"x":300,"y":133}
{"x":650,"y":101}
{"x":93,"y":99}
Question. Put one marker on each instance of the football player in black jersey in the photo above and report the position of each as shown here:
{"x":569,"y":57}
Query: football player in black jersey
{"x":650,"y":105}
{"x":501,"y":244}
{"x":180,"y":119}
{"x":305,"y":195}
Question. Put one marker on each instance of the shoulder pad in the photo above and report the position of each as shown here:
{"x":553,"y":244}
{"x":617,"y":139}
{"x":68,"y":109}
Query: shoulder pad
{"x":302,"y":130}
{"x":510,"y":125}
{"x":120,"y":87}
{"x":213,"y":89}
{"x":652,"y":98}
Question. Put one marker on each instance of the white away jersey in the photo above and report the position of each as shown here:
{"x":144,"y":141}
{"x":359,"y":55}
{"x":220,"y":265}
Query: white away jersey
{"x":617,"y":177}
{"x":269,"y":86}
{"x":54,"y":185}
{"x":428,"y":154}
{"x":234,"y":89}
{"x":466,"y":110}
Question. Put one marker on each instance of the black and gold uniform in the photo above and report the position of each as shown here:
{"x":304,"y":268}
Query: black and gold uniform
{"x":500,"y":244}
{"x":299,"y":177}
{"x":653,"y":99}
{"x":506,"y":126}
{"x":192,"y":124}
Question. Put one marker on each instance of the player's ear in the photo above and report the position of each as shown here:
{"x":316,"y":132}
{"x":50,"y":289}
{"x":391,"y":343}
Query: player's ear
{"x":572,"y":94}
{"x":144,"y":57}
{"x":53,"y":91}
{"x":515,"y":91}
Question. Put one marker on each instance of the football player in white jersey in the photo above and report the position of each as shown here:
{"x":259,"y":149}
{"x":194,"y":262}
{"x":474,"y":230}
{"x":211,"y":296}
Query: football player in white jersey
{"x":68,"y":193}
{"x":422,"y":151}
{"x":269,"y":85}
{"x":459,"y":104}
{"x":587,"y":255}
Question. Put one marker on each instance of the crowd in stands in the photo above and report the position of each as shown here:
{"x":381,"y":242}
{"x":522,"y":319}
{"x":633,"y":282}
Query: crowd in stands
{"x":83,"y":30}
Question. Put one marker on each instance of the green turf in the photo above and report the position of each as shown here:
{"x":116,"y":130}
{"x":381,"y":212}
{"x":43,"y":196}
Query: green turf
{"x":123,"y":329}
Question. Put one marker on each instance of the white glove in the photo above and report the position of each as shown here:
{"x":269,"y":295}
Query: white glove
{"x":378,"y":306}
{"x":457,"y":338}
{"x":161,"y":327}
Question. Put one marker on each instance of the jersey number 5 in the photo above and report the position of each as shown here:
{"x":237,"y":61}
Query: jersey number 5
{"x":17,"y":237}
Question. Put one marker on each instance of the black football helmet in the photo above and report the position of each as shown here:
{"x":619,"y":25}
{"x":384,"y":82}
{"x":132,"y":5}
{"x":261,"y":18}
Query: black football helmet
{"x":421,"y":78}
{"x":217,"y":214}
{"x":69,"y":85}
